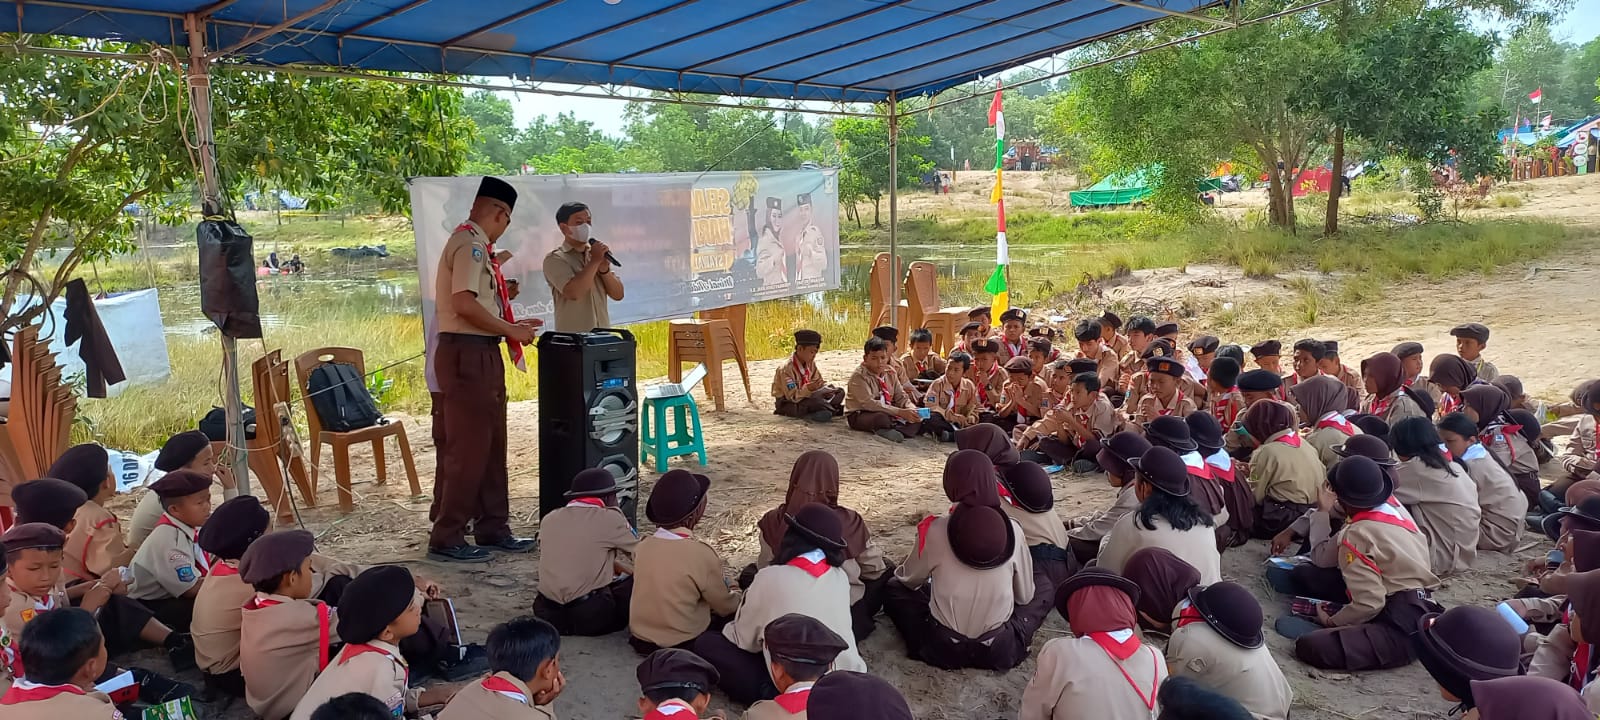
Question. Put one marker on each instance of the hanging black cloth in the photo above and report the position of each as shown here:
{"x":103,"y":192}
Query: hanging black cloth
{"x":100,"y":364}
{"x":228,"y":278}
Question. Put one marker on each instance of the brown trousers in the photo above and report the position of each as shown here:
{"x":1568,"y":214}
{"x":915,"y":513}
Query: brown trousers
{"x":788,"y":408}
{"x":1002,"y":648}
{"x":469,"y":431}
{"x":1379,"y":644}
{"x":1274,"y":516}
{"x":601,"y":612}
{"x":871,"y":421}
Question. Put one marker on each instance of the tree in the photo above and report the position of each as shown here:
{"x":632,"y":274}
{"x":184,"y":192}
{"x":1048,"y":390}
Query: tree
{"x":84,"y":141}
{"x":496,"y":146}
{"x":865,"y":171}
{"x":600,"y":157}
{"x":695,"y":138}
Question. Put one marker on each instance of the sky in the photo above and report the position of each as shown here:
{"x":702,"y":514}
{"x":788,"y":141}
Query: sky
{"x":1580,"y":24}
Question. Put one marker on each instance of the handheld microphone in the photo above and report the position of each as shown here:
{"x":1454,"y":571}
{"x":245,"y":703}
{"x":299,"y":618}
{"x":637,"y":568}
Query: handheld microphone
{"x":609,"y":257}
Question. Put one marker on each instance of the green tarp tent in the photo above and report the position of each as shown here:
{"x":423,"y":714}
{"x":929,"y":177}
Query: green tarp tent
{"x":1126,"y":189}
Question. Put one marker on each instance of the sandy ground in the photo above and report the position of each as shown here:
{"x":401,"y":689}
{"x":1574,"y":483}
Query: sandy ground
{"x":1543,"y":333}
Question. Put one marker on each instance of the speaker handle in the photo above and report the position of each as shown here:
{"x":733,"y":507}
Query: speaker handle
{"x":563,"y":339}
{"x":619,"y":332}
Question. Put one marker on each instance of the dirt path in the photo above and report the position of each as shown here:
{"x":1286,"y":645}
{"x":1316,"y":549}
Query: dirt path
{"x":1543,"y":332}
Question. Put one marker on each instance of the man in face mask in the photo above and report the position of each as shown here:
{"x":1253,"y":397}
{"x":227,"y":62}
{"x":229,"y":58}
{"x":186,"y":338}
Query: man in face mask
{"x":581,"y":279}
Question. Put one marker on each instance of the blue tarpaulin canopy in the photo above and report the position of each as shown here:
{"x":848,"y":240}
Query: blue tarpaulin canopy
{"x":824,"y":50}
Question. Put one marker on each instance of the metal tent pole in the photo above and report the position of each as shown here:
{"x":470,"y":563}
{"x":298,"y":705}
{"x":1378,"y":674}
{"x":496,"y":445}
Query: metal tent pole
{"x":894,"y":210}
{"x":199,"y":81}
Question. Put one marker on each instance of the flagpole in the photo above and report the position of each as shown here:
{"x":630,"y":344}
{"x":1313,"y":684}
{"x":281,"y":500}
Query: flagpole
{"x":894,"y":210}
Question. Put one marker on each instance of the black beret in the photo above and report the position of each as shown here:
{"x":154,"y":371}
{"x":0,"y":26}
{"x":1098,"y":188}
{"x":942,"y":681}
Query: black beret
{"x":1205,"y":344}
{"x":1160,"y":347}
{"x":233,"y":525}
{"x":1331,"y":346}
{"x":971,"y":327}
{"x":181,"y":449}
{"x":374,"y":599}
{"x":977,"y":312}
{"x":1083,"y":365}
{"x":1225,"y":371}
{"x":47,"y":500}
{"x":1017,"y":314}
{"x":842,"y":695}
{"x":1407,"y":349}
{"x":1165,"y":366}
{"x":1170,"y":328}
{"x":33,"y":536}
{"x":1476,"y":331}
{"x":807,"y":337}
{"x":802,"y":639}
{"x":1259,"y":381}
{"x":83,"y":465}
{"x":1267,"y":348}
{"x":671,"y":668}
{"x":887,"y":332}
{"x":276,"y":553}
{"x":1019,"y":365}
{"x":496,"y":189}
{"x":180,"y":483}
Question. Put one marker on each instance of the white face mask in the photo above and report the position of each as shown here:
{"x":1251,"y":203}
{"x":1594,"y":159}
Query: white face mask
{"x":580,"y":233}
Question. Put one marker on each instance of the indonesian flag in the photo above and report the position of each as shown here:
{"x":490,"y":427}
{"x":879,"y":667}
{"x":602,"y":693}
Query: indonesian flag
{"x":1545,"y":123}
{"x":1536,"y":95}
{"x":996,"y":285}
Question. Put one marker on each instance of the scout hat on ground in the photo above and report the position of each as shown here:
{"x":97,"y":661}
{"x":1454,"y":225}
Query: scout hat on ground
{"x":47,"y":500}
{"x":1585,"y":516}
{"x":1466,"y":643}
{"x":1266,"y":348}
{"x":496,"y":189}
{"x":674,"y":669}
{"x":593,"y":482}
{"x":805,"y":338}
{"x":1360,"y":483}
{"x":33,"y":536}
{"x":1030,"y":487}
{"x":1407,"y":349}
{"x":1225,"y":372}
{"x":843,"y":695}
{"x":180,"y":483}
{"x":1171,"y":432}
{"x":1231,"y":611}
{"x":819,"y":524}
{"x":800,"y":639}
{"x":1259,"y":381}
{"x":83,"y":465}
{"x":382,"y":593}
{"x":1094,"y":577}
{"x":181,"y":449}
{"x":1369,"y":446}
{"x":981,"y":537}
{"x":1119,"y":450}
{"x":276,"y":553}
{"x":233,"y":525}
{"x":676,"y":496}
{"x":1205,"y":430}
{"x":1165,"y":366}
{"x":1163,"y":470}
{"x":1473,"y":331}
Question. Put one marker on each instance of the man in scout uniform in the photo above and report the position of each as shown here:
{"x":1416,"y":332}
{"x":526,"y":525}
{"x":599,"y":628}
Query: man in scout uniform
{"x":987,"y":374}
{"x":921,"y":363}
{"x":1070,"y":433}
{"x":1471,"y":339}
{"x":810,"y":255}
{"x":586,"y":569}
{"x":678,"y":588}
{"x":676,"y":685}
{"x":64,"y":656}
{"x":580,"y":276}
{"x":472,"y":314}
{"x":96,"y":546}
{"x":285,"y":634}
{"x":952,"y":400}
{"x":1164,"y":397}
{"x":1013,"y":344}
{"x":217,"y":615}
{"x":772,"y":264}
{"x":1091,"y":346}
{"x":169,"y":567}
{"x":874,"y":400}
{"x":525,"y":659}
{"x":799,"y":650}
{"x":1331,"y":364}
{"x":798,"y":388}
{"x":1111,"y":329}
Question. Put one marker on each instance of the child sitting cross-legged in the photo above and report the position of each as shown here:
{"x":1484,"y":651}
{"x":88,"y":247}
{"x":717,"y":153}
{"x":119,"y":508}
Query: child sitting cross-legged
{"x":525,"y":659}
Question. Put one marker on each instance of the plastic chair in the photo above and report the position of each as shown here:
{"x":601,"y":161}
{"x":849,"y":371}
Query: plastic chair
{"x":922,"y":290}
{"x":735,"y":315}
{"x":880,"y":280}
{"x":341,"y":441}
{"x":661,"y":439}
{"x":271,"y":451}
{"x":711,"y":342}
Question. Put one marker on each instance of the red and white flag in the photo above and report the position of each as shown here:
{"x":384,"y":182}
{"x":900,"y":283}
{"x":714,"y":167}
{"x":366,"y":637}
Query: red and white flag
{"x":1545,"y":123}
{"x":1536,"y":95}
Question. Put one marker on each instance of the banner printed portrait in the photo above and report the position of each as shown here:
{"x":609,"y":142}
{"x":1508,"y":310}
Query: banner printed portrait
{"x":687,"y":241}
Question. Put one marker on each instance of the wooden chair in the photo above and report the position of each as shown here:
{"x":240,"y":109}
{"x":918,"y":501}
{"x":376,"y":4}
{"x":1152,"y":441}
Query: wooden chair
{"x":922,"y":290}
{"x":341,"y":441}
{"x":880,"y":280}
{"x":706,"y":341}
{"x":271,"y":452}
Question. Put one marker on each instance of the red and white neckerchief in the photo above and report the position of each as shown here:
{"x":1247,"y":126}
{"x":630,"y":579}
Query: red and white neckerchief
{"x":674,"y":709}
{"x":354,"y":649}
{"x":324,"y":626}
{"x":1226,"y":410}
{"x":501,"y":686}
{"x":955,"y":394}
{"x":815,"y":563}
{"x":983,"y":387}
{"x":202,"y":559}
{"x":1188,"y":615}
{"x":793,"y":700}
{"x":1379,"y":406}
{"x":883,"y":389}
{"x":922,"y":365}
{"x":666,"y":534}
{"x":1221,"y":464}
{"x":10,"y":657}
{"x":1388,"y":513}
{"x":1499,"y":434}
{"x":1177,"y":402}
{"x":1448,"y":404}
{"x":1337,"y":421}
{"x":1410,"y":381}
{"x":1119,"y":651}
{"x":502,"y":293}
{"x":804,"y":372}
{"x":587,"y":502}
{"x":1289,"y":437}
{"x":23,"y":691}
{"x":1196,"y":464}
{"x":1005,"y":494}
{"x":1015,"y":348}
{"x":223,"y":569}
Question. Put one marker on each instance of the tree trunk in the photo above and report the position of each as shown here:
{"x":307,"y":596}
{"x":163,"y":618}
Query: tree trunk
{"x":876,"y":222}
{"x":1330,"y":225}
{"x":1275,"y":212}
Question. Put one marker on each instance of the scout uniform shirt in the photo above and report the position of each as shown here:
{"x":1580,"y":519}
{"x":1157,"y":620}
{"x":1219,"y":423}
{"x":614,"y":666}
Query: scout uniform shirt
{"x":1330,"y":431}
{"x":1445,"y":509}
{"x":96,"y":546}
{"x":1579,"y":459}
{"x":991,"y":385}
{"x":587,"y":312}
{"x":215,"y":627}
{"x":1099,"y":418}
{"x":1079,"y":678}
{"x":806,"y":585}
{"x":586,"y":540}
{"x":960,"y":404}
{"x":24,"y":608}
{"x":32,"y":701}
{"x":872,"y":393}
{"x":1027,"y":407}
{"x":497,"y":697}
{"x":1503,"y":506}
{"x":1151,"y":407}
{"x":374,"y":668}
{"x":1251,"y":676}
{"x":1196,"y":546}
{"x":169,"y":562}
{"x":1381,"y":552}
{"x":147,"y":514}
{"x":1094,"y":528}
{"x":965,"y":599}
{"x":795,"y":382}
{"x":1109,"y":368}
{"x":1225,"y":406}
{"x":789,"y":705}
{"x":1043,"y":528}
{"x":1487,"y":372}
{"x":869,"y":565}
{"x":1010,"y":350}
{"x":464,"y":267}
{"x":677,"y":584}
{"x":912,"y":369}
{"x":1287,"y":469}
{"x":283,"y":644}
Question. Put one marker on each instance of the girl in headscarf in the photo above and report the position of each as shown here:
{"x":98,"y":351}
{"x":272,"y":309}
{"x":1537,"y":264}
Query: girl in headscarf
{"x":1487,"y":406}
{"x":1583,"y":592}
{"x":1164,"y":581}
{"x":1285,"y":471}
{"x":1442,"y":500}
{"x":1103,"y":671}
{"x":1504,"y":509}
{"x":1451,"y":375}
{"x":1323,"y":402}
{"x":1167,"y":518}
{"x":992,"y":441}
{"x":1388,"y":397}
{"x":1526,"y":698}
{"x":1030,"y":502}
{"x":185,"y":451}
{"x":815,"y":479}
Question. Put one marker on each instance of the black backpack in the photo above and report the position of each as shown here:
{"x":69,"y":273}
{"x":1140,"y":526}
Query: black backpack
{"x":339,"y":396}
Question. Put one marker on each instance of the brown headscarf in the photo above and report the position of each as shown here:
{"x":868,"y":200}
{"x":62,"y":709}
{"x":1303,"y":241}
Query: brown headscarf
{"x":1528,"y":697}
{"x":1581,"y":490}
{"x":1585,"y":550}
{"x":1319,"y":395}
{"x":1489,"y":402}
{"x":1267,"y":418}
{"x":814,"y":479}
{"x":1386,"y":370}
{"x":1100,"y":608}
{"x":969,"y":479}
{"x":1164,"y":581}
{"x":1583,"y":591}
{"x":1450,"y":370}
{"x":990,"y":440}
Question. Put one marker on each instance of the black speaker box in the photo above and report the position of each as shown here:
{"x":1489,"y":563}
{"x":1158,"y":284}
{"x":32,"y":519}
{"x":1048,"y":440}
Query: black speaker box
{"x":588,"y":414}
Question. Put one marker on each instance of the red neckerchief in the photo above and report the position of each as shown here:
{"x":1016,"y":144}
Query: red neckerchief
{"x":502,"y":295}
{"x":10,"y":658}
{"x":1197,"y":465}
{"x":922,"y":532}
{"x":502,"y":686}
{"x":1016,"y":350}
{"x":1579,"y":673}
{"x":1502,"y":434}
{"x":983,"y":387}
{"x":202,"y":559}
{"x":955,"y":394}
{"x":324,"y":627}
{"x":883,"y":387}
{"x":1380,"y":406}
{"x":794,"y":701}
{"x":1387,"y":514}
{"x":672,"y":710}
{"x":1223,"y":468}
{"x":1112,"y":647}
{"x":922,"y":365}
{"x":1226,"y":411}
{"x":1176,"y":403}
{"x":223,"y":569}
{"x":587,"y":501}
{"x":1338,"y":422}
{"x":803,"y":371}
{"x":353,"y":649}
{"x":1188,"y":615}
{"x":23,"y":691}
{"x":1005,"y":494}
{"x":813,"y":568}
{"x":1291,"y":438}
{"x":1448,"y":404}
{"x":1120,"y":650}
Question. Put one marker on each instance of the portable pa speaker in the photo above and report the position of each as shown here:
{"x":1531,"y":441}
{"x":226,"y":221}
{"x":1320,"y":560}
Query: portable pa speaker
{"x":588,"y":414}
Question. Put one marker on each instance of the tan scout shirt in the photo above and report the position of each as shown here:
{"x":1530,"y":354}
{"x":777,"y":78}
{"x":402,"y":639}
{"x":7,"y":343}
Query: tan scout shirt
{"x":280,"y":646}
{"x":791,"y":381}
{"x":91,"y":705}
{"x":1009,"y":350}
{"x":1286,"y":473}
{"x":1151,"y":407}
{"x":1093,"y":528}
{"x":869,"y":565}
{"x":1325,"y":439}
{"x":1579,"y":459}
{"x":1487,"y":372}
{"x":168,"y":563}
{"x":1099,"y":418}
{"x":965,"y":599}
{"x":148,"y":513}
{"x":865,"y":392}
{"x":25,"y":607}
{"x":1078,"y":680}
{"x":1316,"y":527}
{"x":324,"y":567}
{"x":476,"y":702}
{"x":1503,"y":507}
{"x":1378,"y":559}
{"x":218,"y":609}
{"x":991,"y":385}
{"x":1108,"y":366}
{"x":912,"y":368}
{"x":1196,"y":546}
{"x":1252,"y":677}
{"x":584,"y":544}
{"x":778,"y":590}
{"x":1445,"y":508}
{"x":771,"y":710}
{"x":380,"y":675}
{"x":587,"y":312}
{"x":1043,"y":528}
{"x":959,"y":405}
{"x":95,"y":546}
{"x":677,"y":584}
{"x":1028,"y":403}
{"x":1512,"y":449}
{"x":464,"y":267}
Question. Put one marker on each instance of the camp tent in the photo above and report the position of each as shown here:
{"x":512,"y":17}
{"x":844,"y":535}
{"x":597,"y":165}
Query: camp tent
{"x":1129,"y":188}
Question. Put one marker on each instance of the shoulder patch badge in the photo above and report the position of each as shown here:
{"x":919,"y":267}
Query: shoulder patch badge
{"x":477,"y":253}
{"x":186,"y":574}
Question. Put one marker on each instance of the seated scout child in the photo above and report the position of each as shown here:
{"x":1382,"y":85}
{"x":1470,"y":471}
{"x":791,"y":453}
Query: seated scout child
{"x":95,"y":547}
{"x":1331,"y":364}
{"x":1111,"y":333}
{"x":1103,"y":670}
{"x":1091,"y":346}
{"x":1223,"y":399}
{"x":586,"y":568}
{"x":1164,"y":396}
{"x":64,"y":656}
{"x":987,"y":375}
{"x":1166,"y":518}
{"x":676,"y":685}
{"x":1085,"y":533}
{"x":799,"y":650}
{"x":1388,"y":397}
{"x":1308,"y":356}
{"x":1204,"y":349}
{"x":1410,"y":354}
{"x":285,"y":635}
{"x":1013,"y":323}
{"x":1023,"y":397}
{"x":952,"y":399}
{"x":1268,"y":356}
{"x":218,"y":612}
{"x":1503,"y":507}
{"x":678,"y":585}
{"x":525,"y":662}
{"x":1437,"y":495}
{"x":1471,"y":339}
{"x":1217,"y":640}
{"x":806,"y":578}
{"x":875,"y":402}
{"x":1039,"y":354}
{"x":798,"y":388}
{"x":189,"y":450}
{"x":1070,"y":434}
{"x":1323,"y":402}
{"x":1467,"y":644}
{"x":169,"y":567}
{"x":1258,"y":385}
{"x":1451,"y":374}
{"x":921,"y":365}
{"x":1285,"y":471}
{"x":390,"y":610}
{"x":1058,"y":383}
{"x":1238,"y":498}
{"x":891,"y":337}
{"x":1489,"y":407}
{"x":971,"y":333}
{"x":1030,"y":502}
{"x":982,"y":316}
{"x":1383,"y":563}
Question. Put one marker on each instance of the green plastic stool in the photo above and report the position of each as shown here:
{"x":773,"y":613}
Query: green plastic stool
{"x":684,"y":438}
